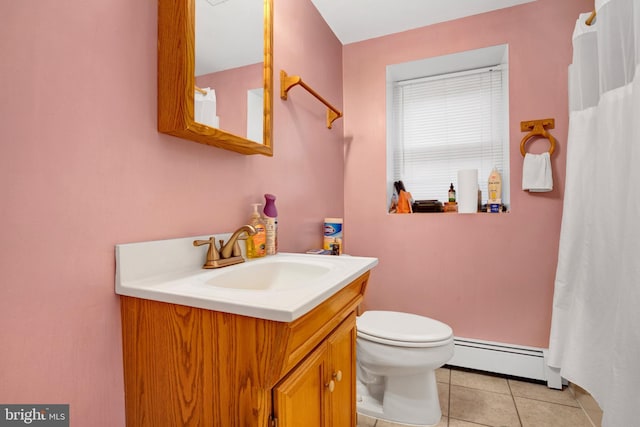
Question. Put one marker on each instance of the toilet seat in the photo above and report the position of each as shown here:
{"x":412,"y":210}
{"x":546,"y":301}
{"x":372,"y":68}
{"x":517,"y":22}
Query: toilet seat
{"x":402,"y":329}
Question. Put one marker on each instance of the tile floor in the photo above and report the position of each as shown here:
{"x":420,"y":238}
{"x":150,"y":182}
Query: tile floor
{"x":471,"y":399}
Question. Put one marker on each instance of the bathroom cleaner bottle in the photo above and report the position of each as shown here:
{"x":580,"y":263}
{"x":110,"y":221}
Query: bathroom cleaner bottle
{"x":333,"y":235}
{"x":256,"y":244}
{"x":271,"y":223}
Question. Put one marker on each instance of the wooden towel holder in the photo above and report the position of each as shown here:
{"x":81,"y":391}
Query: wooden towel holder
{"x":287,"y":82}
{"x":538,"y":128}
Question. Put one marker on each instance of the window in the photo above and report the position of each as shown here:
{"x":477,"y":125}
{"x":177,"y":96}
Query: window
{"x":441,"y":119}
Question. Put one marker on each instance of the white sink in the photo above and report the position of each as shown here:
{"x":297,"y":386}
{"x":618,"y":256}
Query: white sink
{"x":280,"y":287}
{"x":274,"y":273}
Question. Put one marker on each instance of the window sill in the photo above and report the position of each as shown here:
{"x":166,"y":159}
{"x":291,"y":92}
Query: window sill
{"x":453,"y":209}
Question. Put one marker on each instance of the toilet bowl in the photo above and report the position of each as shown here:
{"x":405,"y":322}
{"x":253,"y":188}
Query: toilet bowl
{"x":396,"y":358}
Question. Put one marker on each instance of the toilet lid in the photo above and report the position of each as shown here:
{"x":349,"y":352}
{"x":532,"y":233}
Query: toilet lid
{"x":402,"y":328}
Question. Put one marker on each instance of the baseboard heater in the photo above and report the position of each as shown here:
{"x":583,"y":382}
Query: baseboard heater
{"x":506,"y":359}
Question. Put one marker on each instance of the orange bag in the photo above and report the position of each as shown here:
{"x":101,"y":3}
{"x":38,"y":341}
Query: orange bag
{"x":404,"y":202}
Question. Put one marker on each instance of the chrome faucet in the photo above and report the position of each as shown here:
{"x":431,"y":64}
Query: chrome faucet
{"x":229,"y":253}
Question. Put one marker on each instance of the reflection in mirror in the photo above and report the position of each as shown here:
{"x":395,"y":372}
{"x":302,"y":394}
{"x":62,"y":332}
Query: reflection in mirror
{"x":228,"y":66}
{"x":234,"y":65}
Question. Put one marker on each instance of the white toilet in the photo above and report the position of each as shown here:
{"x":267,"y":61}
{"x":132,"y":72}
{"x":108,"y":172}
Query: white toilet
{"x":397,"y":355}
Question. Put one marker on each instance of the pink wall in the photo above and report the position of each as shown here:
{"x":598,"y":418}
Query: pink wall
{"x":488,"y":276}
{"x":82,"y":168}
{"x":231,"y":88}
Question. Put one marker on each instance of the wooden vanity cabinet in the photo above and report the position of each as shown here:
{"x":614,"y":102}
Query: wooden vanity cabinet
{"x":320,"y":392}
{"x":186,"y":366}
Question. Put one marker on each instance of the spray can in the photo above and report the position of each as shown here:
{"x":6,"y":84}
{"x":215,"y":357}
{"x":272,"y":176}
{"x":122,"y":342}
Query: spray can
{"x":271,"y":223}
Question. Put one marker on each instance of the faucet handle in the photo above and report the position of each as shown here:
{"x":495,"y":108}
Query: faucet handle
{"x":212,"y":253}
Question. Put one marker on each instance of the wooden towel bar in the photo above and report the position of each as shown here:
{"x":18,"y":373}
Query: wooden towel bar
{"x":287,"y":82}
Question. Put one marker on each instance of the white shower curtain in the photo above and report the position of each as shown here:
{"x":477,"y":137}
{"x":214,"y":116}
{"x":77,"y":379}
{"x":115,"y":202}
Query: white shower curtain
{"x":595,"y":332}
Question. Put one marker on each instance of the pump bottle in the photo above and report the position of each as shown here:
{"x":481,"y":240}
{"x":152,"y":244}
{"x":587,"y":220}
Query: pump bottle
{"x":256,"y":244}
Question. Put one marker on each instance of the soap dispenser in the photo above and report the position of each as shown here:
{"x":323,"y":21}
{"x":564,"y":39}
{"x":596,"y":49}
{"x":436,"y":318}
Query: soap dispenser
{"x":256,"y":244}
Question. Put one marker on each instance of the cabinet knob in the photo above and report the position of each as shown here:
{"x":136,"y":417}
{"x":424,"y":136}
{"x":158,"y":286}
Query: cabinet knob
{"x":337,"y":376}
{"x":331,"y":386}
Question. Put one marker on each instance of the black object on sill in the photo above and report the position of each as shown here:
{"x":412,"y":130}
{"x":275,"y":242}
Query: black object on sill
{"x":399,"y":186}
{"x":427,"y":206}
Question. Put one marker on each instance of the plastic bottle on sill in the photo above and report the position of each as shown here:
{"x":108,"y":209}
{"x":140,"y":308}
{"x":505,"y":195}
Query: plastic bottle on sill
{"x":494,"y":186}
{"x":452,"y":193}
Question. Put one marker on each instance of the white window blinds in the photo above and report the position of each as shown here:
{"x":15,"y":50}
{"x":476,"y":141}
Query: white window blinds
{"x":446,"y":123}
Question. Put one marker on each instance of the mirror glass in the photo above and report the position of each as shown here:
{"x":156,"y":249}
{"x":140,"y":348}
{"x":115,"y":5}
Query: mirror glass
{"x":215,"y":72}
{"x":229,"y":62}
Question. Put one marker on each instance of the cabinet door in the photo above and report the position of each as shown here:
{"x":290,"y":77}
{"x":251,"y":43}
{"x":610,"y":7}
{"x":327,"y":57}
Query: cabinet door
{"x":342,"y":365}
{"x":300,"y":399}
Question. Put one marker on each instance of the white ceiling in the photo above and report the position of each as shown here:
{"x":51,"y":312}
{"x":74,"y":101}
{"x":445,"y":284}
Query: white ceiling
{"x":356,"y":20}
{"x":229,"y":34}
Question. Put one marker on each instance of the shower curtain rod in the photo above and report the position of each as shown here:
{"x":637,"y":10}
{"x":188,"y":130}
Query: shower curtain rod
{"x":591,"y":17}
{"x":197,"y":89}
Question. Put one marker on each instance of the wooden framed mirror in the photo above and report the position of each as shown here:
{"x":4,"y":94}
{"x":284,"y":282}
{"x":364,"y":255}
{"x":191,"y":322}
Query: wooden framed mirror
{"x":177,"y":78}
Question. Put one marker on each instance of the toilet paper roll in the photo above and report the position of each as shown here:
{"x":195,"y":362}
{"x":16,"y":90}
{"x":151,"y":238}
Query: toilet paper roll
{"x":468,"y":191}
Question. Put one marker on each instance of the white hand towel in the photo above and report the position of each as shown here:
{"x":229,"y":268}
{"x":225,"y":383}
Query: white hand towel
{"x":205,"y":108}
{"x":536,"y":173}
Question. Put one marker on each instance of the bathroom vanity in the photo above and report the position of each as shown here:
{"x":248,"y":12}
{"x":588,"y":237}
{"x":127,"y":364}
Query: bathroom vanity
{"x":186,"y":364}
{"x":192,"y":366}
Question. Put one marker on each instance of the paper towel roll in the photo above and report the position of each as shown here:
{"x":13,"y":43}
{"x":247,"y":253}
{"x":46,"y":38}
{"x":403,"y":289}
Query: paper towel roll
{"x":468,"y":191}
